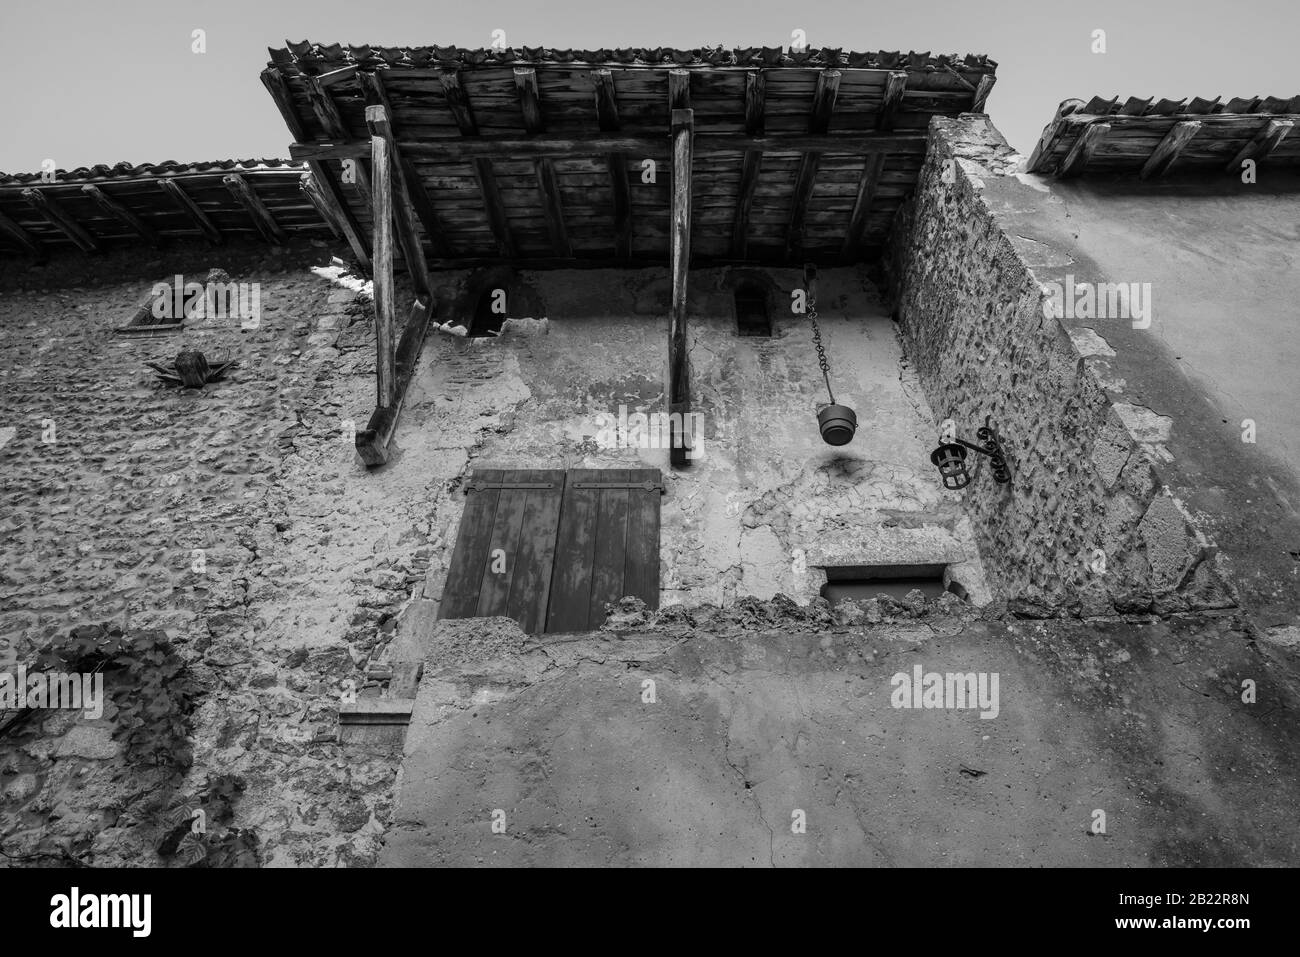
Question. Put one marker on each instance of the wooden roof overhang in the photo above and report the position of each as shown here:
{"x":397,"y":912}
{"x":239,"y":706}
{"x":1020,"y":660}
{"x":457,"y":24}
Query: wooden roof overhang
{"x":538,"y":157}
{"x":91,"y":208}
{"x":1149,"y":137}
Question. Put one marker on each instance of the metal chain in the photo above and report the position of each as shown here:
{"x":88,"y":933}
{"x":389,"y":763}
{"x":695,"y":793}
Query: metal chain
{"x":821,"y":352}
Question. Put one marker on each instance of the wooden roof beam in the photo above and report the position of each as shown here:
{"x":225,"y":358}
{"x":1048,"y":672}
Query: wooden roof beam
{"x":1168,"y":149}
{"x":510,"y":147}
{"x":458,"y":102}
{"x":982,"y":92}
{"x":553,"y":205}
{"x":311,"y":189}
{"x":867,"y":186}
{"x":61,"y":219}
{"x":257,"y":211}
{"x":1089,"y":139}
{"x":191,"y":209}
{"x":895,"y":87}
{"x":494,"y":207}
{"x":679,"y":90}
{"x":823,"y":104}
{"x":329,"y":117}
{"x":749,"y":173}
{"x":22,"y":237}
{"x":372,"y":87}
{"x":122,"y":214}
{"x":530,"y":102}
{"x":1269,"y":137}
{"x":615,"y":162}
{"x":679,"y":379}
{"x":327,"y":186}
{"x":755,"y":102}
{"x":377,"y":121}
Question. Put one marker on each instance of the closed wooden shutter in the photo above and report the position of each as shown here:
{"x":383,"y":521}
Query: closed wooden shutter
{"x":550,"y":548}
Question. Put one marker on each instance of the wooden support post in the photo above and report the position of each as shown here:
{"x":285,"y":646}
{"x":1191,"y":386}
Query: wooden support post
{"x":323,"y":176}
{"x":679,"y":384}
{"x":1168,"y":149}
{"x":1264,"y":142}
{"x":982,"y":92}
{"x":377,"y":121}
{"x":372,"y":442}
{"x":867,"y":186}
{"x":191,"y":209}
{"x":895,"y":87}
{"x":382,"y":204}
{"x":22,"y":237}
{"x":530,"y":103}
{"x":1082,"y":150}
{"x":122,"y":214}
{"x":61,"y":219}
{"x":553,"y":204}
{"x":372,"y":87}
{"x":257,"y":211}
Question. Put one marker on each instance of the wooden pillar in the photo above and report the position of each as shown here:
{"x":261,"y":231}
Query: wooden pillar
{"x":382,"y":204}
{"x":679,"y":385}
{"x":407,"y":235}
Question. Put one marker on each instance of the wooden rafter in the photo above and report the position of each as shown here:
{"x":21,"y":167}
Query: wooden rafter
{"x":326,"y":185}
{"x":982,"y":91}
{"x":679,"y":384}
{"x":413,"y":189}
{"x":331,"y":120}
{"x":21,"y":236}
{"x":819,"y":121}
{"x":755,"y":103}
{"x":1082,"y":150}
{"x":1262,"y":144}
{"x":61,"y":219}
{"x":596,"y":143}
{"x":311,"y":189}
{"x":895,"y":87}
{"x":615,"y":162}
{"x":867,"y":186}
{"x":823,"y":104}
{"x":257,"y":211}
{"x":752,"y":165}
{"x":530,"y":102}
{"x":458,"y":102}
{"x":553,"y":204}
{"x":121,"y":214}
{"x":1168,"y":149}
{"x":459,"y":105}
{"x":380,"y":126}
{"x":191,"y":209}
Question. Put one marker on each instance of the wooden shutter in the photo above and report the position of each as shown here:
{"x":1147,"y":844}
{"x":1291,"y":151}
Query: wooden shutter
{"x":608,"y":545}
{"x":518,"y":512}
{"x":571,"y":543}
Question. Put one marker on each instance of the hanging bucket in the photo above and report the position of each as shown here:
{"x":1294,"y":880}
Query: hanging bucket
{"x":838,"y":423}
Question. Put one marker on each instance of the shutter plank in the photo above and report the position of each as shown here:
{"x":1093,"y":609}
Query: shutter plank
{"x":494,"y":590}
{"x":641,"y":562}
{"x":611,"y":545}
{"x":530,"y":587}
{"x":574,"y":554}
{"x":460,"y":595}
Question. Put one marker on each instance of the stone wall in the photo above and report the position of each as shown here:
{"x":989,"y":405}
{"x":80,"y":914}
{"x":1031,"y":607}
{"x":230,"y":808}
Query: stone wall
{"x":1086,"y":526}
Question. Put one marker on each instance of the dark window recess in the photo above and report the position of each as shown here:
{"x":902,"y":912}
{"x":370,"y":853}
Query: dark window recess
{"x":144,"y":323}
{"x":752,"y":318}
{"x":860,"y":582}
{"x":549,"y":548}
{"x":486,"y":323}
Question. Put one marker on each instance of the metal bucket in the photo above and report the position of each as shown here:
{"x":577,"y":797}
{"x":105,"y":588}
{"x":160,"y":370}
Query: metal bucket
{"x":838,"y":423}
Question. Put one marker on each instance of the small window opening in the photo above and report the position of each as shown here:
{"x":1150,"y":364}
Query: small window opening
{"x":487,"y":323}
{"x":752,"y":318}
{"x":862,"y":582}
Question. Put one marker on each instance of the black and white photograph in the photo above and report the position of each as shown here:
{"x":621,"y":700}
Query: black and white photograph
{"x":649,"y":435}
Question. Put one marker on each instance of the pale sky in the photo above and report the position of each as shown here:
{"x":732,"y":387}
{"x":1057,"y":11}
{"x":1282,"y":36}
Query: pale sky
{"x":100,"y":82}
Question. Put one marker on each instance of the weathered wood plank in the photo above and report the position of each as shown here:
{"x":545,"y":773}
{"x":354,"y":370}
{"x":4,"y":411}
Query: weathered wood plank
{"x":61,"y":219}
{"x":1167,"y":152}
{"x":256,"y":209}
{"x":610,"y":558}
{"x":679,"y":389}
{"x":1077,"y":159}
{"x":575,"y":550}
{"x":530,"y":588}
{"x":471,"y":556}
{"x":503,"y":549}
{"x":641,"y":561}
{"x":191,"y":209}
{"x":119,"y":212}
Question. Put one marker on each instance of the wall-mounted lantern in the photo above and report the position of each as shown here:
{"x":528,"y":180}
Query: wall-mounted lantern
{"x":950,"y":457}
{"x":837,"y":422}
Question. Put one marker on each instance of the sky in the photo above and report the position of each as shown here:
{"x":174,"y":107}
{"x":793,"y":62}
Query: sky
{"x":85,"y":82}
